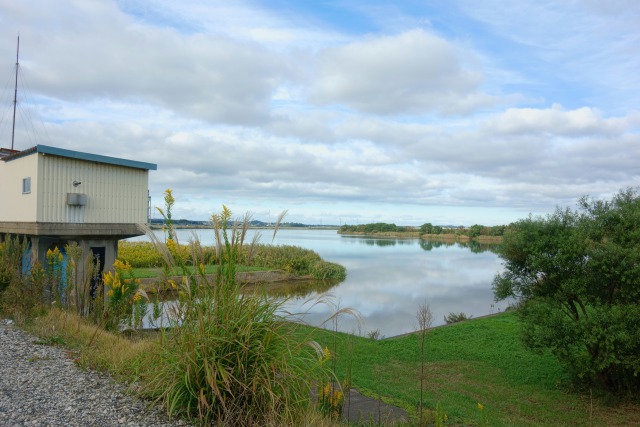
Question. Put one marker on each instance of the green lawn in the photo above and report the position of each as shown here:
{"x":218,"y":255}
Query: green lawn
{"x":478,"y":361}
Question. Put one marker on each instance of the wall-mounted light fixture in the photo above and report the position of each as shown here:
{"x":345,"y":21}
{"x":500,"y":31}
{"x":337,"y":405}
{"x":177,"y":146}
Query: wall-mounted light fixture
{"x":76,"y":183}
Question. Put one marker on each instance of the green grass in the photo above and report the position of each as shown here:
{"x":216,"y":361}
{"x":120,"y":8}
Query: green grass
{"x":144,"y":257}
{"x":478,"y":361}
{"x":148,"y":272}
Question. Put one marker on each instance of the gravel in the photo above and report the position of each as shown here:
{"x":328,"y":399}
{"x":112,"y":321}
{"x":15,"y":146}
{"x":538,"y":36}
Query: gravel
{"x":40,"y":385}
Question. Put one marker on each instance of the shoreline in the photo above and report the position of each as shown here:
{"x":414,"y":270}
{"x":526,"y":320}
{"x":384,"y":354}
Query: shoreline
{"x":244,"y":278}
{"x":449,"y":237}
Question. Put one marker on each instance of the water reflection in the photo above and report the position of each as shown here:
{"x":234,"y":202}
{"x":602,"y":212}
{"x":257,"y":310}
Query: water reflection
{"x":294,"y":289}
{"x":473,"y":246}
{"x":299,"y":290}
{"x":379,"y":242}
{"x":388,"y":278}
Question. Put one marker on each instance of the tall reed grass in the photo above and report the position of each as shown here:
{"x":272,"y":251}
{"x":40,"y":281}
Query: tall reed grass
{"x":229,"y":357}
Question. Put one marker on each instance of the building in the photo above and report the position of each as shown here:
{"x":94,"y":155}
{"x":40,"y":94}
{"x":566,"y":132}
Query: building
{"x":53,"y":196}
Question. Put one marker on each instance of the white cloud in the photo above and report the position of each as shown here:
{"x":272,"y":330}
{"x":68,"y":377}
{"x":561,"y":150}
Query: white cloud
{"x":266,"y":109}
{"x":94,"y":51}
{"x":556,"y":121}
{"x":414,"y":72}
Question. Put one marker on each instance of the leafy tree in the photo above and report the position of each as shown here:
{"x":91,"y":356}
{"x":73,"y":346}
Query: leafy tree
{"x":497,"y":230}
{"x":426,"y":228}
{"x":378,"y":227}
{"x":577,"y":277}
{"x":476,"y":230}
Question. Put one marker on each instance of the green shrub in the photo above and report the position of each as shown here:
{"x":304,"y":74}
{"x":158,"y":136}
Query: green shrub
{"x":575,"y":274}
{"x":324,"y":270}
{"x":139,"y":254}
{"x":456,"y":317}
{"x":294,"y":260}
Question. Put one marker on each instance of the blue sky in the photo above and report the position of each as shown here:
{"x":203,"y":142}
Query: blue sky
{"x":449,"y":112}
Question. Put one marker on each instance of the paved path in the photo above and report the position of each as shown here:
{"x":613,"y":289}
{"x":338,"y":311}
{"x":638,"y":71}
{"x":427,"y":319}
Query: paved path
{"x":358,"y":408}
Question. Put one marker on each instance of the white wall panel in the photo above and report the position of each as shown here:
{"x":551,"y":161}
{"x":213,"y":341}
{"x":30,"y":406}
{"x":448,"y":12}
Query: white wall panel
{"x":15,"y":206}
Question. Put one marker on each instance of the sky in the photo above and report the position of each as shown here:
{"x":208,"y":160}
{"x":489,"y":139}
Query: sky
{"x":453,"y":112}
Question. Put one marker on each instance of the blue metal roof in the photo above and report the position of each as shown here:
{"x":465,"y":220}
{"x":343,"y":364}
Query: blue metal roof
{"x":54,"y":151}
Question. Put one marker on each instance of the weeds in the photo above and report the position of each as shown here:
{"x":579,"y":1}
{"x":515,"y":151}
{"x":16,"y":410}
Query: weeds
{"x":126,"y":302}
{"x":425,"y":319}
{"x":231,"y":358}
{"x":12,"y":251}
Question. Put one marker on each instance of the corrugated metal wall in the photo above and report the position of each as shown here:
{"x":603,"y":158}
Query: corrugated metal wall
{"x":115,"y":194}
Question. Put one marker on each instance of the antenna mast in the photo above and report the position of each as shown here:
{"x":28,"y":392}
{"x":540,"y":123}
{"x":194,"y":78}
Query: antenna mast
{"x":15,"y":94}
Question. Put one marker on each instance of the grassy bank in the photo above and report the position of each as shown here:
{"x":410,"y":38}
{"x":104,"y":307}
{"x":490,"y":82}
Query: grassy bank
{"x":132,"y":360}
{"x":476,"y":362}
{"x":146,"y":260}
{"x":480,"y":361}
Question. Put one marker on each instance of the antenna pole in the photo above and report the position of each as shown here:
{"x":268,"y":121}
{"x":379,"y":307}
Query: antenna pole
{"x":15,"y":94}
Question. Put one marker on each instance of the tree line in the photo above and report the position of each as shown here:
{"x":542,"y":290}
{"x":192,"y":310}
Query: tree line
{"x":427,"y":228}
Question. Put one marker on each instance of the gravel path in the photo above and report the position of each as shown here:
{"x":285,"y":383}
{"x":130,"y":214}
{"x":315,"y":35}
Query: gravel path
{"x":41,"y":386}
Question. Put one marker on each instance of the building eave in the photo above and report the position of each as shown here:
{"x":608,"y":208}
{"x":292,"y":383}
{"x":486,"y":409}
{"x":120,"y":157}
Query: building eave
{"x":72,"y":231}
{"x":71,"y":154}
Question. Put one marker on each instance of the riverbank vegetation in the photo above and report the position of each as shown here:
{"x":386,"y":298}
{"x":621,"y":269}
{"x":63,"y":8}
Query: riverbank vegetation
{"x":221,"y":356}
{"x":225,"y":357}
{"x":473,"y":364}
{"x":147,"y":261}
{"x":477,"y":232}
{"x":479,"y":363}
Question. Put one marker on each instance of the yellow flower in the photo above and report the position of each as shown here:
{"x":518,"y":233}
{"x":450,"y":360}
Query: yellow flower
{"x":326,"y":354}
{"x":168,"y":197}
{"x":337,"y":398}
{"x":226,"y":213}
{"x":480,"y":406}
{"x":327,"y":390}
{"x":137,"y":297}
{"x":107,"y":278}
{"x":173,"y":284}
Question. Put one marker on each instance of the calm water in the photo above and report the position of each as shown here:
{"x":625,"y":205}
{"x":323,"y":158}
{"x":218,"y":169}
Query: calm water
{"x":388,"y":278}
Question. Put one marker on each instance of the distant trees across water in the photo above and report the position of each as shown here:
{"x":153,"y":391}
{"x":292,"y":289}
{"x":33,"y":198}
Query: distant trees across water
{"x":378,"y":227}
{"x":427,"y":228}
